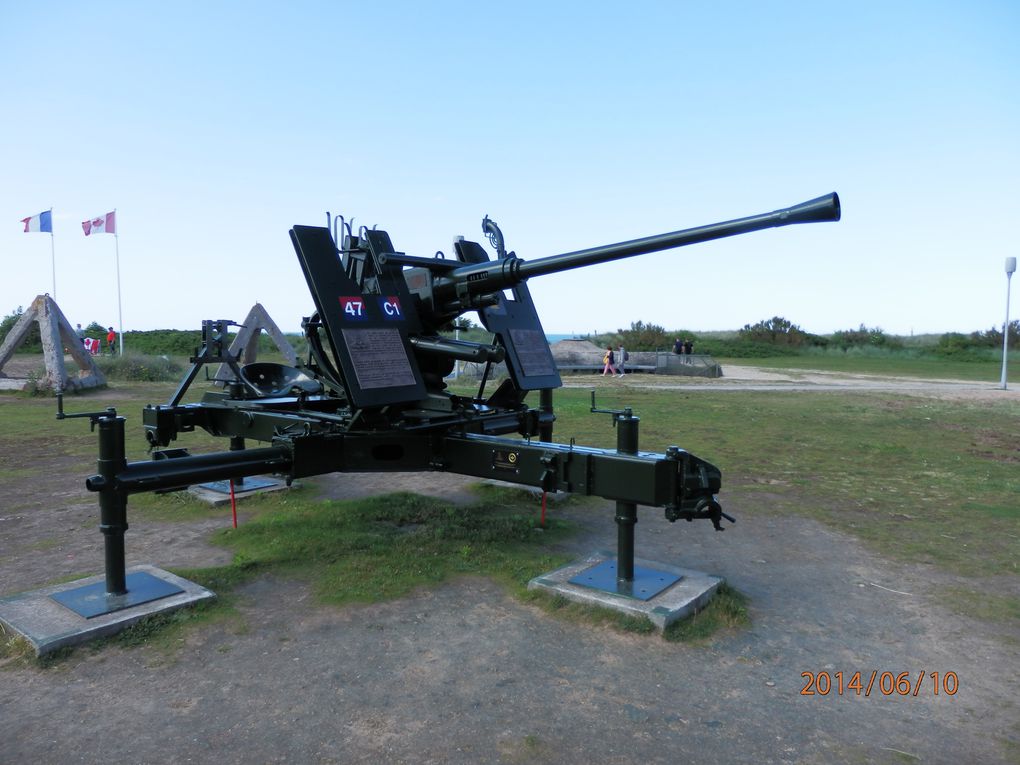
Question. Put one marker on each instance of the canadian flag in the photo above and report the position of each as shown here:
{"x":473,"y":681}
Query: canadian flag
{"x":103,"y":224}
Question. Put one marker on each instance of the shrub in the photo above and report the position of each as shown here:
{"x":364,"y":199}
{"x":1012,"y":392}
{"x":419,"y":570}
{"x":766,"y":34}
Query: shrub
{"x":993,"y":337}
{"x":180,"y":342}
{"x":744,"y":349}
{"x":775,"y":331}
{"x":33,"y":343}
{"x":865,"y":336}
{"x":135,"y":367}
{"x":641,"y":337}
{"x":160,"y":342}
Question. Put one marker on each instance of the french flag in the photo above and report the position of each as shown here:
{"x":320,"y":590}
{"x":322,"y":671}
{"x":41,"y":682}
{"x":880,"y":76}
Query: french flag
{"x":102,"y":224}
{"x":41,"y":222}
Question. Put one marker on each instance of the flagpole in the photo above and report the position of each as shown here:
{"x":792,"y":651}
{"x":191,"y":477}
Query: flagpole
{"x":120,"y":313}
{"x":53,"y":256}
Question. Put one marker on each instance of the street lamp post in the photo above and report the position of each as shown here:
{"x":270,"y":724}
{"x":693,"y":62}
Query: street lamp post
{"x":1010,"y":268}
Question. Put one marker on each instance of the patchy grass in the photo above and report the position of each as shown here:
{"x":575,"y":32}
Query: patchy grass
{"x":184,"y":506}
{"x":356,"y":551}
{"x":984,"y":605}
{"x":918,"y":479}
{"x":566,"y":609}
{"x":165,"y":631}
{"x":363,"y":551}
{"x":136,"y":367}
{"x":727,"y":610}
{"x":497,"y":494}
{"x":384,"y":547}
{"x":15,"y":651}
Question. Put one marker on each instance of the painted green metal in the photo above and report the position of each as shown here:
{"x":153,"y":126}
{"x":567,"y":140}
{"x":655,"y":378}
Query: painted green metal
{"x":626,"y":512}
{"x":112,"y":504}
{"x":372,"y":394}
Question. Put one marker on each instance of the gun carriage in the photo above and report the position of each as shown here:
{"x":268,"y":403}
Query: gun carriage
{"x":373,"y":397}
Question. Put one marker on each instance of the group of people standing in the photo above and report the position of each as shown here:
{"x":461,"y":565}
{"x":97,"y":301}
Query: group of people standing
{"x":87,"y":342}
{"x":612,"y":362}
{"x":684,"y":349}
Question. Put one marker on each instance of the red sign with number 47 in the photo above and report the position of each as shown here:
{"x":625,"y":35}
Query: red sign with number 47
{"x":353,"y":308}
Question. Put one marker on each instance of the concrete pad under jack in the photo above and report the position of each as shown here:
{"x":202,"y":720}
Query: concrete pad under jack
{"x":217,"y":493}
{"x":690,"y":594}
{"x":49,"y":626}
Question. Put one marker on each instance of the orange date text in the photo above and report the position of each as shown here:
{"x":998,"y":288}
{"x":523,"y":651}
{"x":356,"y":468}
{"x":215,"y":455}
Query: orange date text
{"x":878,"y":683}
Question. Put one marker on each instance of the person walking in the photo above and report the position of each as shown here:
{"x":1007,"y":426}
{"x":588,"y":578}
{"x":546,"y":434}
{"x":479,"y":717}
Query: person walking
{"x":688,"y":350}
{"x":621,"y":360}
{"x":608,"y":362}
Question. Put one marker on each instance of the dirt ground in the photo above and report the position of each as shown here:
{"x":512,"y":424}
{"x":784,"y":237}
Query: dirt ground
{"x":464,"y":673}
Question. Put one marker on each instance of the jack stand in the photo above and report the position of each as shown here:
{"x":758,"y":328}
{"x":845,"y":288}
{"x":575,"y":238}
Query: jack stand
{"x":620,"y":576}
{"x":115,"y":594}
{"x":71,"y":613}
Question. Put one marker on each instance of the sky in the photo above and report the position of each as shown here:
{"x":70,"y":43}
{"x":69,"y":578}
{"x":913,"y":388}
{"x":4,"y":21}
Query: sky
{"x":214,"y":127}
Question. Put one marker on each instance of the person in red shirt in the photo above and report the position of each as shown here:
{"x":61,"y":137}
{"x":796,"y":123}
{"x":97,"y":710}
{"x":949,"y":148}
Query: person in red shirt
{"x":111,"y":336}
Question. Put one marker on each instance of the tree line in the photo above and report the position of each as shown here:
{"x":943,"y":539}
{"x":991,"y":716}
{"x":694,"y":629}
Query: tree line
{"x":156,"y":342}
{"x":776,"y":336}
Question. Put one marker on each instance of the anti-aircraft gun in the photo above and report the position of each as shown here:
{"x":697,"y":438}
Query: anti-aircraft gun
{"x":372,"y":395}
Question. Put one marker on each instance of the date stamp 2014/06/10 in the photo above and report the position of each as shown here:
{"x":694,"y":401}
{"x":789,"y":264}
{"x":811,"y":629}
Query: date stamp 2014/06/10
{"x":879,"y":683}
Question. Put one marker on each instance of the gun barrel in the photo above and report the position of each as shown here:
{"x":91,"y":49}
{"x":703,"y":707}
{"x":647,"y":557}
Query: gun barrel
{"x":821,"y":209}
{"x":480,"y":278}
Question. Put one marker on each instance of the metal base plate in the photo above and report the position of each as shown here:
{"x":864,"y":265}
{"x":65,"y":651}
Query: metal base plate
{"x":648,"y":582}
{"x":92,"y":600}
{"x":252,"y":483}
{"x":49,"y":626}
{"x":691,"y":592}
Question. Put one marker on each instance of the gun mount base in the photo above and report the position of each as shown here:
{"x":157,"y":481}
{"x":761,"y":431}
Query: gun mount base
{"x":690,"y":592}
{"x":92,"y":600}
{"x":47,"y":625}
{"x":644,"y":583}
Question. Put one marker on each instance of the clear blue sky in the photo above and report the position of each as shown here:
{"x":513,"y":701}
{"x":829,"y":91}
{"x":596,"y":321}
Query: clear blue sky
{"x":213,"y":127}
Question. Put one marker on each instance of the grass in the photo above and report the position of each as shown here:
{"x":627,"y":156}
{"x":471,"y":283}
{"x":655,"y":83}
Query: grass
{"x":983,"y":605}
{"x":140,"y":368}
{"x":384,"y":547}
{"x":162,"y":632}
{"x":919,"y":480}
{"x":726,"y":611}
{"x":381,"y":548}
{"x":15,"y":651}
{"x":357,"y":551}
{"x":568,"y":610}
